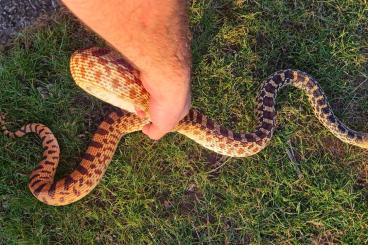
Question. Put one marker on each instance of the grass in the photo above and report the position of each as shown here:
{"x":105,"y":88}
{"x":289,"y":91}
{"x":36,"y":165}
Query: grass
{"x":174,"y":191}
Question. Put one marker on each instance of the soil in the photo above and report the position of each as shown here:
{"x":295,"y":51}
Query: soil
{"x":15,"y":15}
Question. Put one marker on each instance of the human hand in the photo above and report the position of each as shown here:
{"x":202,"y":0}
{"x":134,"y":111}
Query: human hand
{"x":154,"y":36}
{"x":169,"y":101}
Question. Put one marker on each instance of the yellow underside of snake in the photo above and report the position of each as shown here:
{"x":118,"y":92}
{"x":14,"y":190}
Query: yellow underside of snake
{"x":104,"y":74}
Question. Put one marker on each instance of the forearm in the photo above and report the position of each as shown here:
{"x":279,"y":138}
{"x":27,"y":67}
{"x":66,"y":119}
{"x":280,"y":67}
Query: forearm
{"x":154,"y":36}
{"x":145,"y":31}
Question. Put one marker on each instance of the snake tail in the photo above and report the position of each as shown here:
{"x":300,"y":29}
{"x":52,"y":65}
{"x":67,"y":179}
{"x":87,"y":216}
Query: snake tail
{"x":90,"y":170}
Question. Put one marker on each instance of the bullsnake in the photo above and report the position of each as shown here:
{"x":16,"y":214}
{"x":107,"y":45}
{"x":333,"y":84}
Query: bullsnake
{"x":104,"y":74}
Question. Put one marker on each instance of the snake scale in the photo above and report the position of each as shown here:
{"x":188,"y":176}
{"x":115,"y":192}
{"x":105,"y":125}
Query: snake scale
{"x":104,"y":74}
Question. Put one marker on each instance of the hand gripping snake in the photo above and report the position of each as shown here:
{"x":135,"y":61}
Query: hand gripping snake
{"x":104,"y":74}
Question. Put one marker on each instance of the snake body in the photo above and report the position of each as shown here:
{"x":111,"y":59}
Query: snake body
{"x":104,"y":74}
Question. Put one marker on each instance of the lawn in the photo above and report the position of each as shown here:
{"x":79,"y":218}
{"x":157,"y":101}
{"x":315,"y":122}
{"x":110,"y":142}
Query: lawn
{"x":175,"y":191}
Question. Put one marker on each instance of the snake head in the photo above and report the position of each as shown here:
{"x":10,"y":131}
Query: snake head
{"x":104,"y":74}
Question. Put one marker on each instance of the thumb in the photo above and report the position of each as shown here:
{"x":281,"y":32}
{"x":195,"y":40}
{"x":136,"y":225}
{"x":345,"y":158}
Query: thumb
{"x":152,"y":131}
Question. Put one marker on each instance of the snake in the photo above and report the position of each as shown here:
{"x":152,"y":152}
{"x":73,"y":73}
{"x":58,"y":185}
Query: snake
{"x":105,"y":74}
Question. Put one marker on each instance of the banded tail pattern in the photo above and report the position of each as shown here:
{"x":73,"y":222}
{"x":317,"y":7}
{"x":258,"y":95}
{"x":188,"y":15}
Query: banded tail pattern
{"x":90,"y":170}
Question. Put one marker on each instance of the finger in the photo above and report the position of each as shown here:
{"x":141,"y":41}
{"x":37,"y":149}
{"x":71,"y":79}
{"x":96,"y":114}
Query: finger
{"x":140,"y":113}
{"x":153,"y":132}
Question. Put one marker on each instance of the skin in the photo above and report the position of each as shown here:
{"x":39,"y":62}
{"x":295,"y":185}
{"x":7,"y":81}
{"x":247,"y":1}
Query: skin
{"x":153,"y":35}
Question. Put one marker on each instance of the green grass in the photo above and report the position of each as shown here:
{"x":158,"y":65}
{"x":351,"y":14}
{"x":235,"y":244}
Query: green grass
{"x":174,"y":191}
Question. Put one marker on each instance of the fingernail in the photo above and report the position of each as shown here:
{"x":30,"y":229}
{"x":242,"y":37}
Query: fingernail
{"x":140,"y":113}
{"x":145,"y":129}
